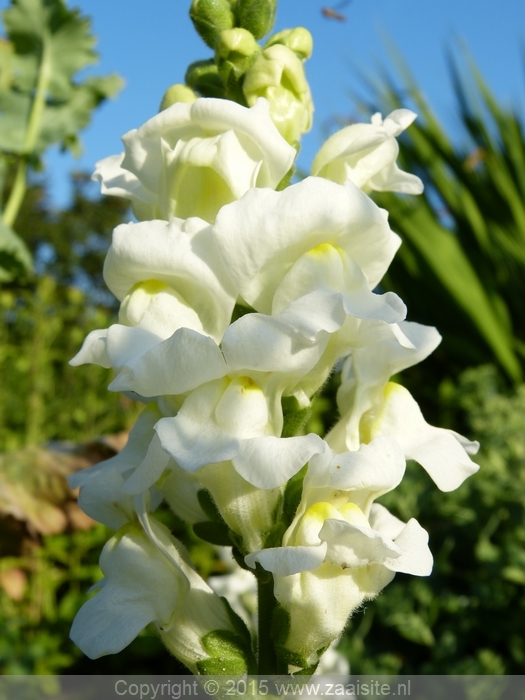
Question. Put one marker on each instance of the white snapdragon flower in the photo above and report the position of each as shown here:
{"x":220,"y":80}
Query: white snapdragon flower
{"x":341,"y":549}
{"x":127,"y":602}
{"x":108,"y":489}
{"x":177,"y":299}
{"x":265,"y":234}
{"x":192,"y":159}
{"x":370,"y":405}
{"x":227,"y":433}
{"x":366,"y":154}
{"x":147,"y":579}
{"x":310,"y":256}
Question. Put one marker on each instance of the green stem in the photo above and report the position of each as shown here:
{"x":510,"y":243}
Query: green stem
{"x":267,"y":662}
{"x":16,"y":195}
{"x":18,"y":190}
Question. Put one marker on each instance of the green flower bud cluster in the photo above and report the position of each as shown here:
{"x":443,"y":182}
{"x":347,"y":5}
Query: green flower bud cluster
{"x":211,"y":17}
{"x":242,"y":70}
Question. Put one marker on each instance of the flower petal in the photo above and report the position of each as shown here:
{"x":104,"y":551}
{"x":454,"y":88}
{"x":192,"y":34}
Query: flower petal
{"x":285,"y":561}
{"x":173,"y":366}
{"x":438,"y":451}
{"x":267,"y":462}
{"x":140,"y":587}
{"x":266,"y":232}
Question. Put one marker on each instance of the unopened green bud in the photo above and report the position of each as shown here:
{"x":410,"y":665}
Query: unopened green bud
{"x":236,"y":50}
{"x":278,"y":75}
{"x":210,"y":18}
{"x":257,"y":16}
{"x":203,"y":77}
{"x":298,"y":39}
{"x":177,"y":93}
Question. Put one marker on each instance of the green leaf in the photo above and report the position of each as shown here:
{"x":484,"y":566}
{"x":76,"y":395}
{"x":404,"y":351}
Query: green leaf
{"x":444,"y":255}
{"x":15,"y":258}
{"x":413,"y":627}
{"x":40,"y":102}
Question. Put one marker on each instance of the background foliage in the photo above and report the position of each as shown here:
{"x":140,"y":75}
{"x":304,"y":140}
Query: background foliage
{"x":461,"y":268}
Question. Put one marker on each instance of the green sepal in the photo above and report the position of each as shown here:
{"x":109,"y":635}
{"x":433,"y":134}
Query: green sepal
{"x":238,"y":625}
{"x":229,"y":654}
{"x":239,"y":557}
{"x":207,"y":504}
{"x":220,"y":667}
{"x":257,"y":16}
{"x":295,"y":416}
{"x":274,"y":536}
{"x":280,"y":625}
{"x":213,"y":532}
{"x":204,"y":78}
{"x":292,"y":495}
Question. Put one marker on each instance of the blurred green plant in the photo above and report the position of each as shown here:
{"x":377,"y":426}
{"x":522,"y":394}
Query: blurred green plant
{"x":43,"y":323}
{"x":462,"y":263}
{"x":41,"y":103}
{"x":467,"y":617}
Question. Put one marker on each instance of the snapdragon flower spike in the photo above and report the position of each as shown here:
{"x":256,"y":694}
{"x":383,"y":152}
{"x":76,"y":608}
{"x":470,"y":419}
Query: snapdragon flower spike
{"x":366,"y":154}
{"x":341,"y":548}
{"x":370,"y":405}
{"x":192,"y":159}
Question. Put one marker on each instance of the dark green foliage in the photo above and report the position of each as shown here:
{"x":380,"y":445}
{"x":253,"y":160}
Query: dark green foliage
{"x":468,"y":616}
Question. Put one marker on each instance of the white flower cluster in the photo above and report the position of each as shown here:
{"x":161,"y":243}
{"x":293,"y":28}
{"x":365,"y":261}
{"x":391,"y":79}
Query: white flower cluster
{"x":237,"y":301}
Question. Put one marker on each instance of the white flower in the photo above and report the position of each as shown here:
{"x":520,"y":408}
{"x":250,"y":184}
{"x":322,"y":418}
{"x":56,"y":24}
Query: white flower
{"x":265,"y":234}
{"x":341,"y":548}
{"x":108,"y":489}
{"x":140,"y":585}
{"x":366,"y":154}
{"x":372,"y":406}
{"x":175,"y":292}
{"x":310,"y":256}
{"x":191,"y":159}
{"x":234,"y":419}
{"x":148,"y":580}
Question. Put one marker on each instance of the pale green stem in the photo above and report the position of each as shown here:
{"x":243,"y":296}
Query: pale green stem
{"x":18,"y":190}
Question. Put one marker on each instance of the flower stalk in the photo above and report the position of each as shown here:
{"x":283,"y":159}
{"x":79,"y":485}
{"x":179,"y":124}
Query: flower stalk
{"x":240,"y":295}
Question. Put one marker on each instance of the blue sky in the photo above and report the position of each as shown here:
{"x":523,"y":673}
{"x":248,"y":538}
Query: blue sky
{"x":151,"y":43}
